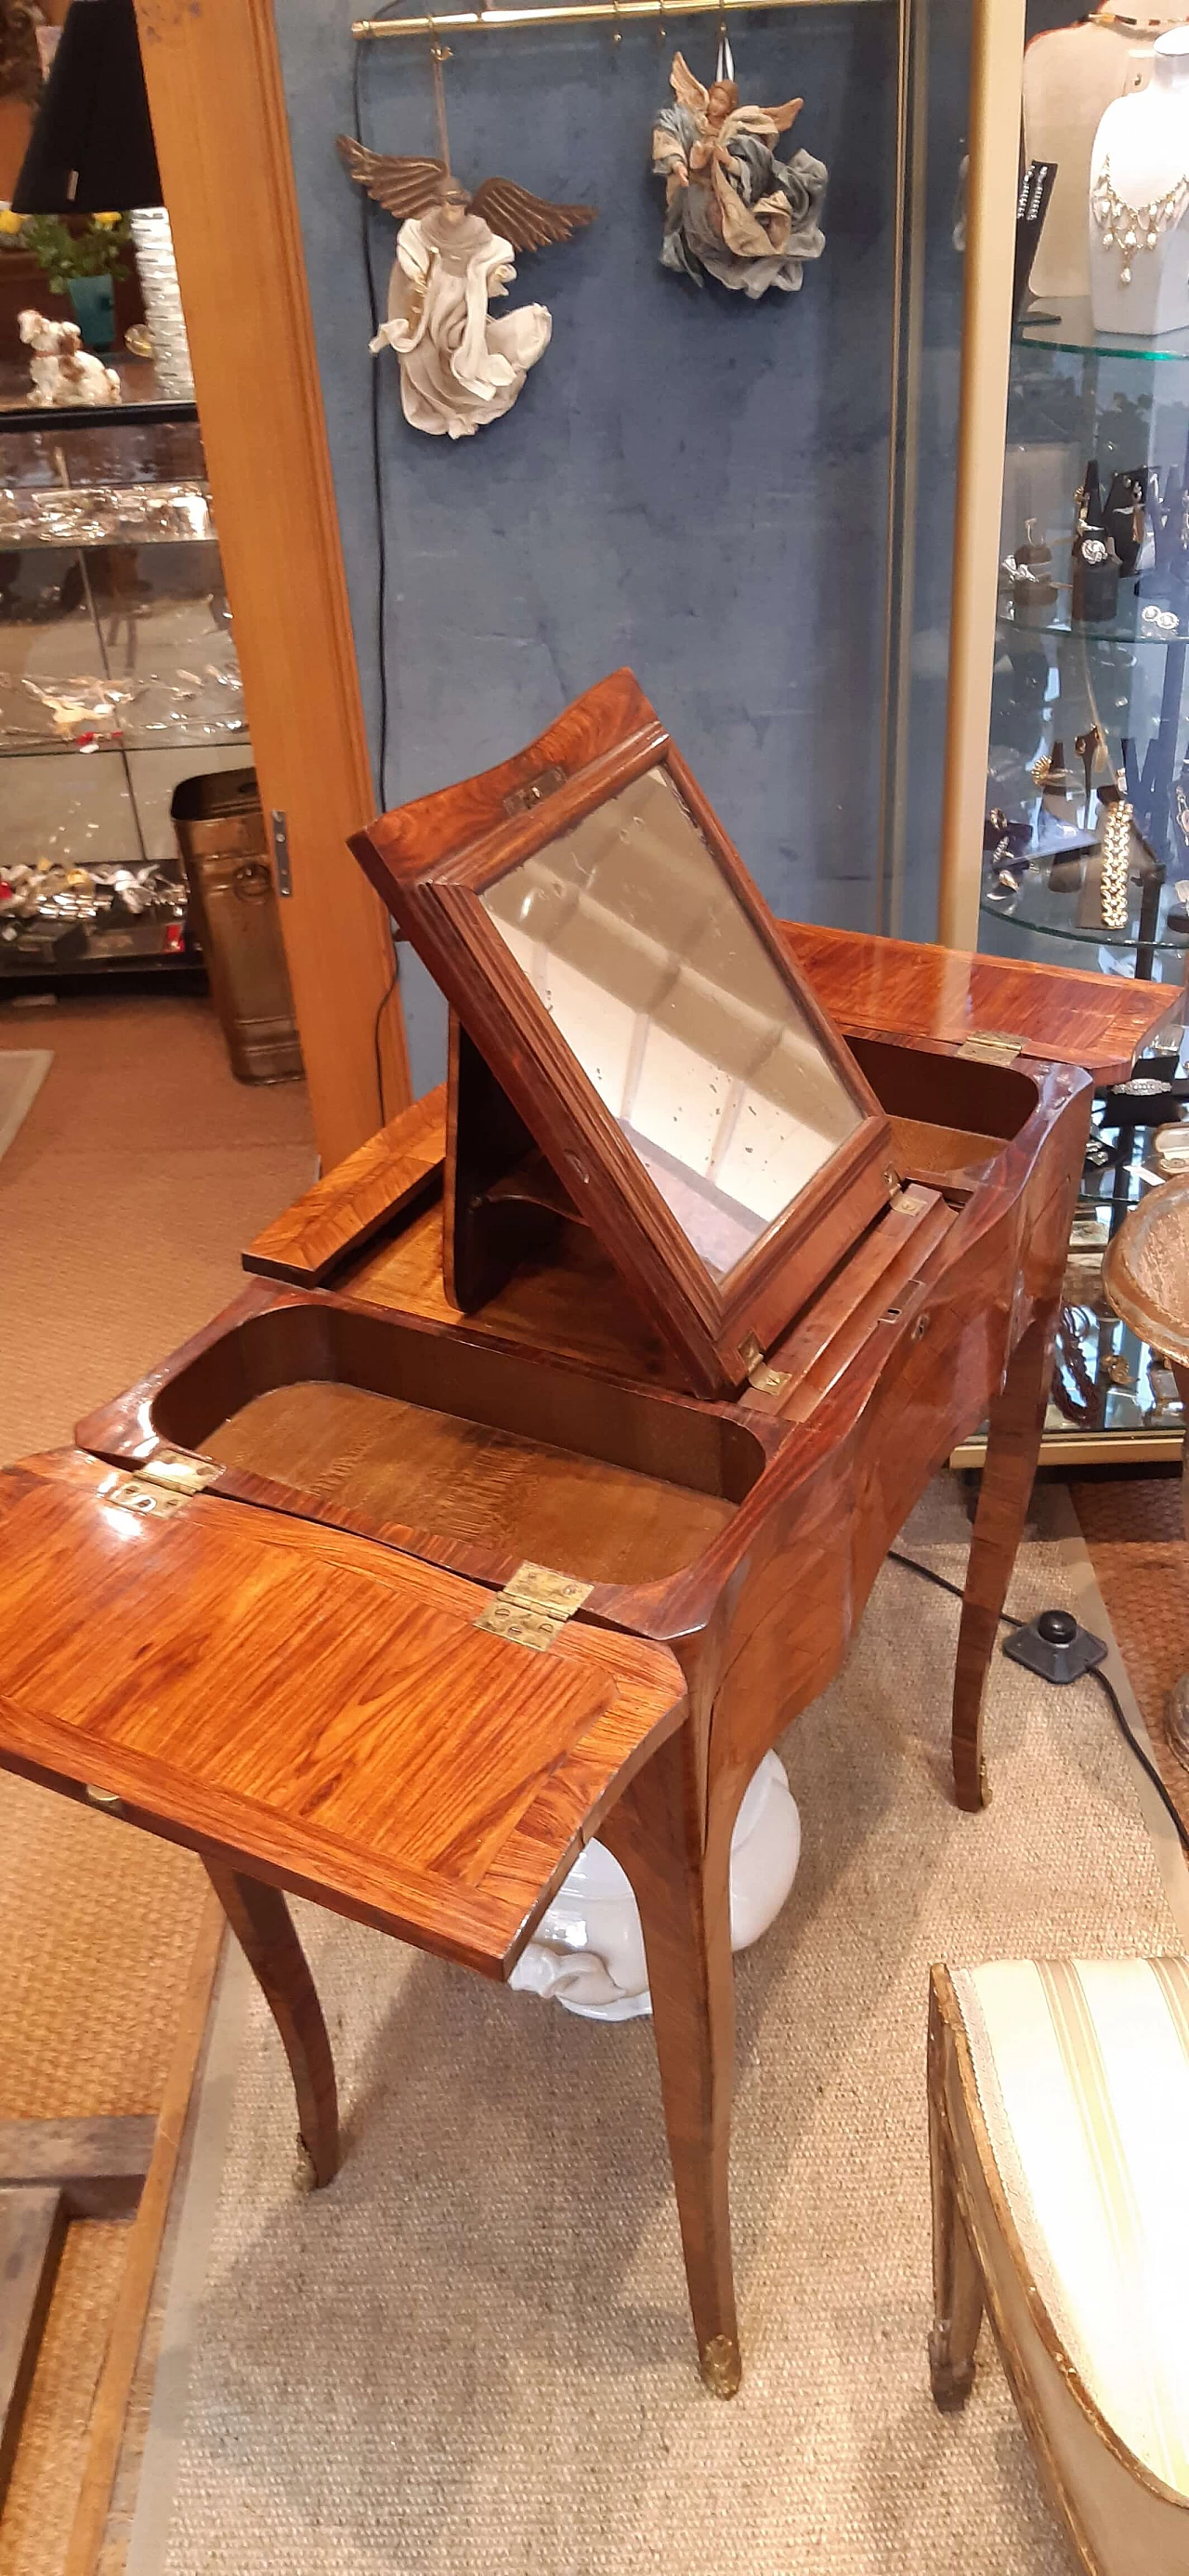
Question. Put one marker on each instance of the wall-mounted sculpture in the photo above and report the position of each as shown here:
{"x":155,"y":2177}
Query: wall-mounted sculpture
{"x":459,"y":369}
{"x":731,"y":207}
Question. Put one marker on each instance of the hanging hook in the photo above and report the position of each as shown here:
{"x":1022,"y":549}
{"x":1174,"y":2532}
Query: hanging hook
{"x":439,"y":54}
{"x":726,"y":60}
{"x":662,"y":25}
{"x":616,"y":33}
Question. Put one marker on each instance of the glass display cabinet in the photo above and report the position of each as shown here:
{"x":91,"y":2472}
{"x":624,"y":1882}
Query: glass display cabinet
{"x":118,"y":677}
{"x":1086,"y":842}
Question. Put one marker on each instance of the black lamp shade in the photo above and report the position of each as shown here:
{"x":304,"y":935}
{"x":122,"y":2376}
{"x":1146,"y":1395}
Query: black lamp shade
{"x":91,"y":150}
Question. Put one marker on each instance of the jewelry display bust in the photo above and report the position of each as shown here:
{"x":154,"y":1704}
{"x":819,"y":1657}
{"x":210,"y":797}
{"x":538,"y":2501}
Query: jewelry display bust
{"x":1139,"y":202}
{"x":1071,"y":75}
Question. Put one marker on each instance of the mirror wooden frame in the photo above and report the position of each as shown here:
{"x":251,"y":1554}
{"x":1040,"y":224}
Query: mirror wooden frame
{"x":433,"y":860}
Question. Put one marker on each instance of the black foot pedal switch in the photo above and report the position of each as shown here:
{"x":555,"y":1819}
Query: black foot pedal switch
{"x":1055,"y":1647}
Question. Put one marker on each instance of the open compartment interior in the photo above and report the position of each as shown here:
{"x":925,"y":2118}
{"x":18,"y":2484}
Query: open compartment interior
{"x":427,"y":1435}
{"x":948,"y":1113}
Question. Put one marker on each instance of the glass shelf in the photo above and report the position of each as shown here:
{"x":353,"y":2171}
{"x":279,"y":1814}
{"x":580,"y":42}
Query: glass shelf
{"x":48,"y":748}
{"x":1037,"y":907}
{"x":137,"y":514}
{"x":145,"y":398}
{"x":1072,"y":330}
{"x":1123,"y":629}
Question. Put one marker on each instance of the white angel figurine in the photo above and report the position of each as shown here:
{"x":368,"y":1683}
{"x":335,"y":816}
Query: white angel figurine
{"x":459,"y":369}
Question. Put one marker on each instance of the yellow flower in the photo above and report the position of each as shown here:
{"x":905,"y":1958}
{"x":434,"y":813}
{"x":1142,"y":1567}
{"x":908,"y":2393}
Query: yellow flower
{"x":106,"y":221}
{"x":10,"y":223}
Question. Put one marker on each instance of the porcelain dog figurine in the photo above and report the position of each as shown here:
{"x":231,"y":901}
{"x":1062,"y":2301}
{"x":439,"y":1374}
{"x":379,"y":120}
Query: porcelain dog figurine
{"x":61,"y":370}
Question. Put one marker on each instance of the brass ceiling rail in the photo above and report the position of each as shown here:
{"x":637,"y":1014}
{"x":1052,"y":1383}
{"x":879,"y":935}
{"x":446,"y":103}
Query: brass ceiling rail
{"x":584,"y":13}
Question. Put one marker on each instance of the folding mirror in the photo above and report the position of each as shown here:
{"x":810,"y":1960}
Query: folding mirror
{"x":634,"y":1017}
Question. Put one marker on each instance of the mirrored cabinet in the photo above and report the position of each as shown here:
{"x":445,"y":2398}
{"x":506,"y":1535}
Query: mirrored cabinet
{"x":118,"y":678}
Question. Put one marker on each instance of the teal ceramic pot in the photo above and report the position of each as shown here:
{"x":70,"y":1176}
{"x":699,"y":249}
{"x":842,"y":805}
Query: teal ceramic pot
{"x":94,"y":304}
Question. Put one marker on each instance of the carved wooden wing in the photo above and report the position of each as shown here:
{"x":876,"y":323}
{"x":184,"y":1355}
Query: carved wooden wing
{"x":782,"y":117}
{"x":402,"y":186}
{"x":528,"y":222}
{"x":686,"y":88}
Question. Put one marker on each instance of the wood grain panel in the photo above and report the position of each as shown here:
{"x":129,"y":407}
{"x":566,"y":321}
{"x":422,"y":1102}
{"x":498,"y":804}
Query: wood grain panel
{"x":394,"y":1462}
{"x":243,"y":1670}
{"x":901,"y":989}
{"x":575,"y":1305}
{"x":349,"y":1205}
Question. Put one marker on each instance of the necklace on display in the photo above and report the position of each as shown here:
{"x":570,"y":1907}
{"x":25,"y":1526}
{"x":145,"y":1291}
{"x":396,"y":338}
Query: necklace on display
{"x":1131,"y":228}
{"x":1121,"y":21}
{"x":1116,"y":858}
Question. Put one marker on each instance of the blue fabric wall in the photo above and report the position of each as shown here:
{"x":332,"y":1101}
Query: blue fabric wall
{"x":688,"y":483}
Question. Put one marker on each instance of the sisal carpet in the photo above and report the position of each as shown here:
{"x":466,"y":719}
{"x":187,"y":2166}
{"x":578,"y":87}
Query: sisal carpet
{"x":471,"y":2356}
{"x":138,"y":1171}
{"x":22,"y":1072}
{"x":137,"y":1175}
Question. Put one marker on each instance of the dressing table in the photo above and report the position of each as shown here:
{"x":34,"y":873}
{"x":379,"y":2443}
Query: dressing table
{"x":539,"y":1476}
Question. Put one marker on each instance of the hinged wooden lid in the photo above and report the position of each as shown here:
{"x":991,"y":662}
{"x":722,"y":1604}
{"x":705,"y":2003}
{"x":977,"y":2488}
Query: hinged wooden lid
{"x":630,"y":996}
{"x":333,"y":1715}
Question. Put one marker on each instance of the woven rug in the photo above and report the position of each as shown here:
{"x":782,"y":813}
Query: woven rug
{"x":22,"y":1072}
{"x":124,"y":1199}
{"x":471,"y":2357}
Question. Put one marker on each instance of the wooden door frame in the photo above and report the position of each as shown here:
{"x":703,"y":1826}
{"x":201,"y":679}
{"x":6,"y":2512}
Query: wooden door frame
{"x":217,"y":101}
{"x":996,"y":89}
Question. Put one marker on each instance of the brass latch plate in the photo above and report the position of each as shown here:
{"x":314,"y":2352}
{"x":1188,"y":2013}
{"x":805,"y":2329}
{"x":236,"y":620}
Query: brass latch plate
{"x":766,"y":1381}
{"x":992,"y":1046}
{"x":535,"y":1603}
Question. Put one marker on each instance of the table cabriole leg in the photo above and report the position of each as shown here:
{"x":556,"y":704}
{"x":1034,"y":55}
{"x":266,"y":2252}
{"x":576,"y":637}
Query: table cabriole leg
{"x":680,"y":1879}
{"x":263,"y":1926}
{"x":1015,"y":1425}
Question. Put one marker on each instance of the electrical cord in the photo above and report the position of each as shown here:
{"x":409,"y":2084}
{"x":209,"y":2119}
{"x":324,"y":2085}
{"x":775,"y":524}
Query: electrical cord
{"x":381,"y":1008}
{"x":365,"y":235}
{"x":1126,"y":1730}
{"x":373,"y":301}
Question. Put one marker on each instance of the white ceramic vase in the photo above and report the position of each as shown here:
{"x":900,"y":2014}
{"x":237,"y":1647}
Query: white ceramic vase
{"x":156,"y":268}
{"x":588,"y":1950}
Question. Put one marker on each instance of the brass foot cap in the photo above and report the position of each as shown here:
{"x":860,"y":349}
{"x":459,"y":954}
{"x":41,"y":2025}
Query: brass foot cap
{"x":720,"y":2365}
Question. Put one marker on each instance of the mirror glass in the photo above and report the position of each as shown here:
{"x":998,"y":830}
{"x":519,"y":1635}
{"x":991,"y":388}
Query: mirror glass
{"x":664,"y":990}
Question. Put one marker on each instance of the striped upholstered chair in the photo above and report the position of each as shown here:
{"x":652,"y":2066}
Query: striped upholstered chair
{"x":1059,"y":2137}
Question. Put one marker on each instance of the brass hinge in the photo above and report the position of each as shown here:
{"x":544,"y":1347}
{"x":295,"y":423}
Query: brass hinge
{"x":161,"y":1484}
{"x":136,"y":1494}
{"x":182,"y":1471}
{"x":534,"y":1605}
{"x":766,"y":1381}
{"x":546,"y":783}
{"x":992,"y":1046}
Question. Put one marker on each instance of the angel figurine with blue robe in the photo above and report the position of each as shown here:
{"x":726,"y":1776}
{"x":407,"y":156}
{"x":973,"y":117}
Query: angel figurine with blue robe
{"x":731,"y":207}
